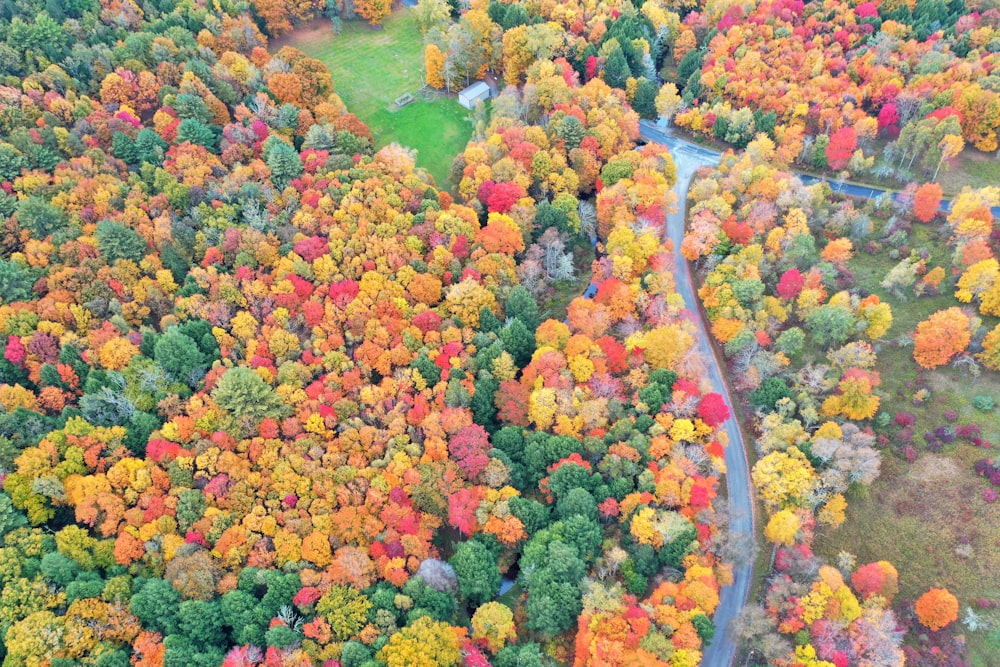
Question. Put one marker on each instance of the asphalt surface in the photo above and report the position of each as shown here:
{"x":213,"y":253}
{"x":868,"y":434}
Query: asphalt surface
{"x":688,"y":158}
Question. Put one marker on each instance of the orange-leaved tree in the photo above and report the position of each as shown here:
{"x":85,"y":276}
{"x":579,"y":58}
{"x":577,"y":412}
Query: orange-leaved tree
{"x":940,"y":337}
{"x":926,"y":201}
{"x":937,"y":608}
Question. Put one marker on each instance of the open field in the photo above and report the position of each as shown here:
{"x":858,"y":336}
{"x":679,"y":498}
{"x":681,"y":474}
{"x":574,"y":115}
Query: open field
{"x":972,"y":168}
{"x":927,"y":517}
{"x":371,"y":68}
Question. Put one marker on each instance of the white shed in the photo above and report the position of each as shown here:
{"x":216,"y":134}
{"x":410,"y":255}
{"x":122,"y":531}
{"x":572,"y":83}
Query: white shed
{"x":477,"y":91}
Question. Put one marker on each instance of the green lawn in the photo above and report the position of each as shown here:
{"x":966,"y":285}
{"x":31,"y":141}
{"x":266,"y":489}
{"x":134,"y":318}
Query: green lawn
{"x":437,"y":129}
{"x":371,"y":68}
{"x":972,"y":168}
{"x":927,"y":517}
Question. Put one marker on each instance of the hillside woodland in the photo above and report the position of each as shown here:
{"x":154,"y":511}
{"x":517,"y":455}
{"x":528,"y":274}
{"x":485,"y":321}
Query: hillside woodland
{"x":270,"y":397}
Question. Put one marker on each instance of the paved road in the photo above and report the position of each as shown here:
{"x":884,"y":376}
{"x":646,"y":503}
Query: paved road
{"x":688,"y":158}
{"x":652,"y":132}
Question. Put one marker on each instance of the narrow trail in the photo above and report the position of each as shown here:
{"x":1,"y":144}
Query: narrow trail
{"x":688,"y":158}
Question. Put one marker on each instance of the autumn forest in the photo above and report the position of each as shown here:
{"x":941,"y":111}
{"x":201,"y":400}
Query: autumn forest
{"x":681,"y":348}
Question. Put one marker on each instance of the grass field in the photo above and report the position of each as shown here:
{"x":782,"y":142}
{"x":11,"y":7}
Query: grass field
{"x":972,"y":168}
{"x":927,"y":517}
{"x":371,"y":68}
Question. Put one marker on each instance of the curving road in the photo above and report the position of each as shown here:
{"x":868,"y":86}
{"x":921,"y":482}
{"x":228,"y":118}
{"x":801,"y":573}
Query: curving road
{"x":688,"y":158}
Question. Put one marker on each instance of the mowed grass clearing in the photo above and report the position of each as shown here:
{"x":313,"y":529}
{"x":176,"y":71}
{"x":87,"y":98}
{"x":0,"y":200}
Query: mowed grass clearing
{"x":371,"y":68}
{"x":928,"y":517}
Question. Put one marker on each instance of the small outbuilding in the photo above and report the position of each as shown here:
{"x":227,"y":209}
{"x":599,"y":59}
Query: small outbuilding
{"x":474,"y":93}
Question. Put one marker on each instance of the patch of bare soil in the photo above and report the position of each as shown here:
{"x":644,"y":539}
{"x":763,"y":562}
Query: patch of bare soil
{"x":318,"y":28}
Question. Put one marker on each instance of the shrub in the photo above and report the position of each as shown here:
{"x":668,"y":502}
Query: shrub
{"x":983,"y":403}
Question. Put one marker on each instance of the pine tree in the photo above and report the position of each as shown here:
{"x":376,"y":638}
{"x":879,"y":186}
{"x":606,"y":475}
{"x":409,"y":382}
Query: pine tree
{"x":616,"y":71}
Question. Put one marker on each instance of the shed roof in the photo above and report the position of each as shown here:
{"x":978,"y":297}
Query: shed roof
{"x":476,"y":89}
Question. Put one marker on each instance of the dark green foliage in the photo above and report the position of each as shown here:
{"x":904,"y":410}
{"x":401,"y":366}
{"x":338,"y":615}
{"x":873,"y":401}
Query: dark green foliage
{"x":16,"y":281}
{"x":156,"y":604}
{"x":571,"y":131}
{"x":520,"y":655}
{"x":283,"y":161}
{"x":634,"y":582}
{"x":652,"y":397}
{"x":10,"y":517}
{"x":819,"y":159}
{"x":510,"y":440}
{"x":59,"y":568}
{"x":765,"y":122}
{"x":178,"y":355}
{"x":427,"y":602}
{"x":191,"y":505}
{"x":11,"y":162}
{"x":478,"y":574}
{"x":198,"y":133}
{"x":496,"y":11}
{"x":238,"y":613}
{"x":519,"y":341}
{"x":116,"y":241}
{"x":354,"y":654}
{"x":532,"y":513}
{"x":40,"y":218}
{"x":672,"y":554}
{"x":769,"y":393}
{"x":483,"y":408}
{"x":123,"y":148}
{"x":86,"y":585}
{"x":581,"y":532}
{"x":193,"y":107}
{"x":429,"y":371}
{"x":616,"y":69}
{"x":577,"y":502}
{"x":554,"y":573}
{"x":547,"y":215}
{"x":281,"y":637}
{"x":488,"y":320}
{"x":643,"y":423}
{"x":150,"y":148}
{"x":116,"y":658}
{"x":690,"y":63}
{"x":515,"y":15}
{"x":182,"y":652}
{"x":543,"y":450}
{"x":281,"y":588}
{"x":705,"y":628}
{"x":24,"y":427}
{"x":569,"y":476}
{"x":644,"y":101}
{"x":139,"y":429}
{"x":720,"y":128}
{"x":522,"y":305}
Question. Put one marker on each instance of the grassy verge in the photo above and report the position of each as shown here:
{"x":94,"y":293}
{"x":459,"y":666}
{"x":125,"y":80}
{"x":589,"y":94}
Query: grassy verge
{"x":927,"y":517}
{"x":371,"y":68}
{"x":972,"y":168}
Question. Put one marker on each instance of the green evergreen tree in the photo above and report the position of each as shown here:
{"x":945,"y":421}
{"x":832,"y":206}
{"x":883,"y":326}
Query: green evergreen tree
{"x":283,"y":161}
{"x":616,"y":69}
